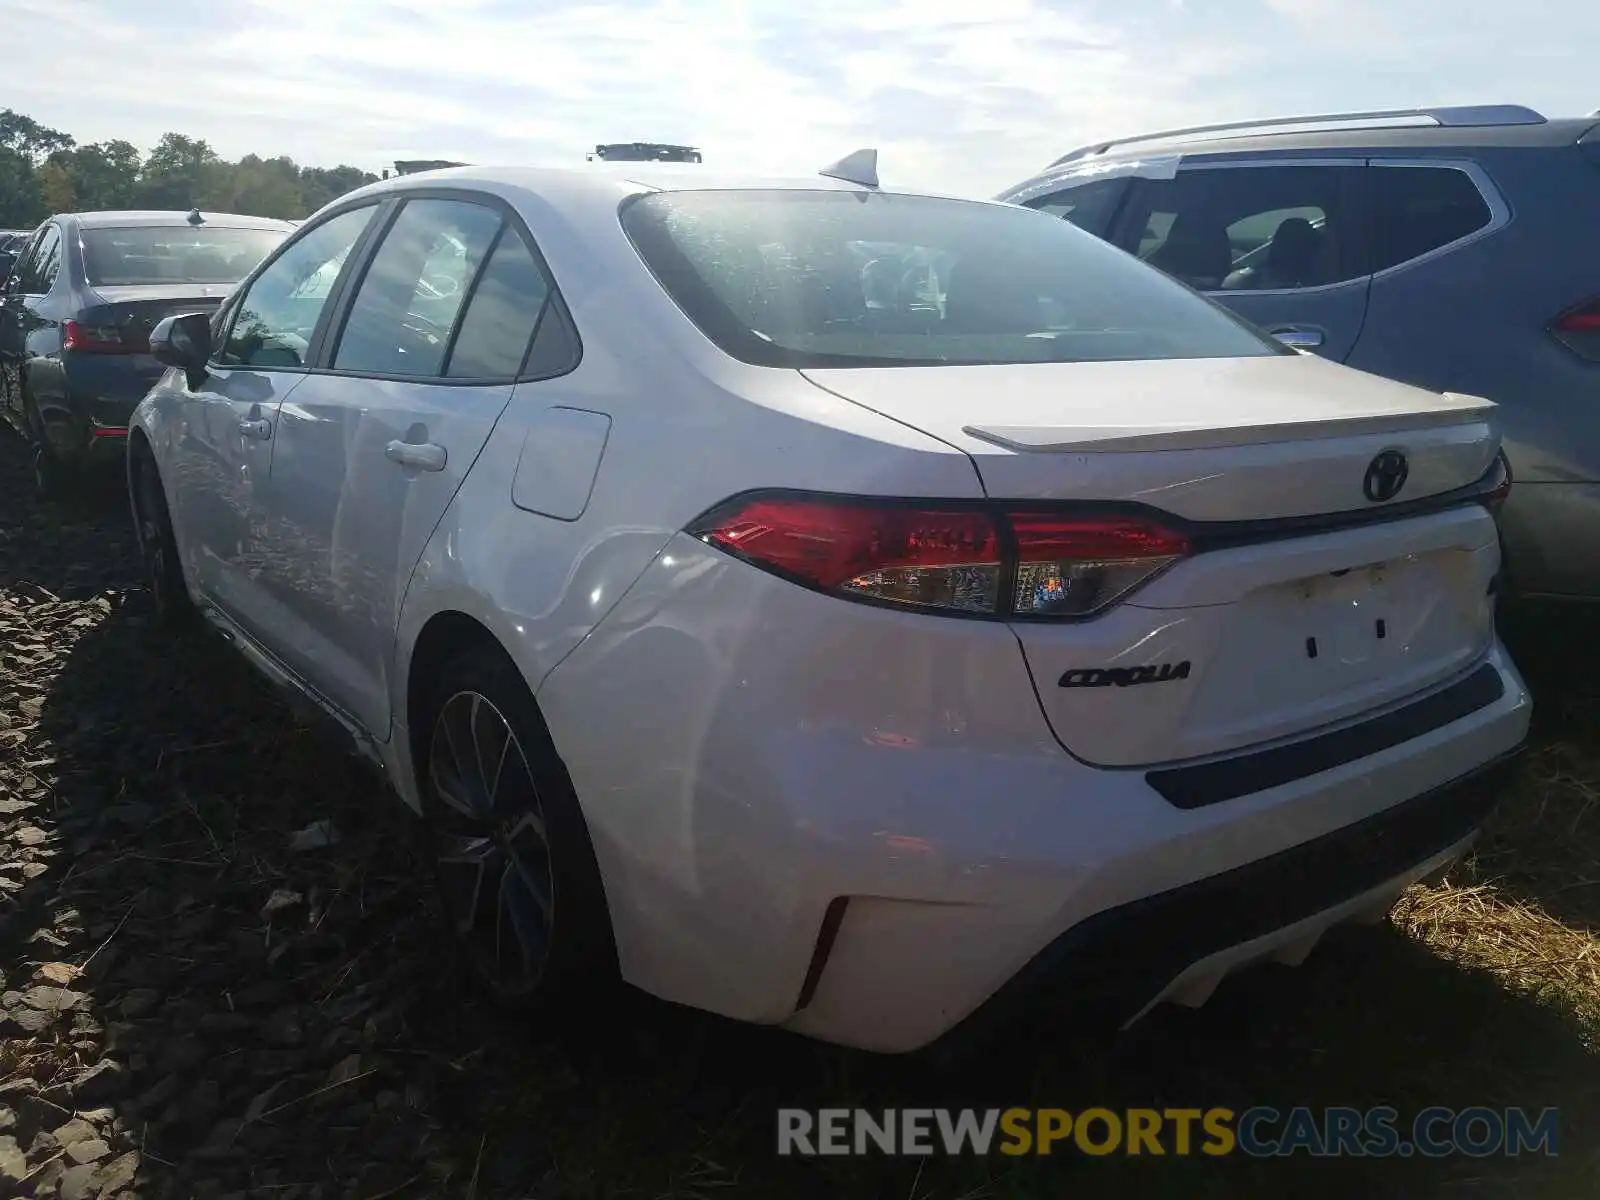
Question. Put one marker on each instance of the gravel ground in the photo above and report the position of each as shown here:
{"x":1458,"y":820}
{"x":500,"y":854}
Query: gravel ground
{"x":196,"y":1003}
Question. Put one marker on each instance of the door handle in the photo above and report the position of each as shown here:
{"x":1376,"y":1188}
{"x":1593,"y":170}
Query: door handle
{"x":257,"y":428}
{"x":426,"y":455}
{"x":1301,"y":337}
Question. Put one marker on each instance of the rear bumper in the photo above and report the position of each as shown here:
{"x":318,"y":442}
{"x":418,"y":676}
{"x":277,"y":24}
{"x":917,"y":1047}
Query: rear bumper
{"x":1177,"y":945}
{"x":855,"y":823}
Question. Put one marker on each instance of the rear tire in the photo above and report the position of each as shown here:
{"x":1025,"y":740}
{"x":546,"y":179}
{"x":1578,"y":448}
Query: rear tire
{"x":516,"y":876}
{"x":158,"y":547}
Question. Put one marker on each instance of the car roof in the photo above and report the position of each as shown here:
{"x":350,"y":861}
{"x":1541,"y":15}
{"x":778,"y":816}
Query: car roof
{"x":1558,"y":132}
{"x":612,"y":182}
{"x":129,"y":218}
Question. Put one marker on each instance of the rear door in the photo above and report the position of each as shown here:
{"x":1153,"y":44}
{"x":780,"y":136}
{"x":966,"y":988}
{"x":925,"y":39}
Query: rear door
{"x":1282,"y":243}
{"x":373,"y":446}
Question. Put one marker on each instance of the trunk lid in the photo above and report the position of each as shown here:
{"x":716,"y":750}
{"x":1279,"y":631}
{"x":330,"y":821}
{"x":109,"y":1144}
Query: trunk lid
{"x":1250,"y":640}
{"x":115,"y":370}
{"x":1206,"y":439}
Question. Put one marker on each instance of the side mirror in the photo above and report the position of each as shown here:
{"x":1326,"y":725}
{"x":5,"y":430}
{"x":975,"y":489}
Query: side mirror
{"x":8,"y":259}
{"x":183,"y":341}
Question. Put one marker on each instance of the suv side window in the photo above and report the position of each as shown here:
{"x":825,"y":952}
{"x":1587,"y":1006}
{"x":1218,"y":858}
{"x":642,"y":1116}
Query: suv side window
{"x":1090,"y":206}
{"x":1255,"y":228}
{"x":43,"y":264}
{"x":406,"y":306}
{"x":278,"y":316}
{"x":1416,"y":210}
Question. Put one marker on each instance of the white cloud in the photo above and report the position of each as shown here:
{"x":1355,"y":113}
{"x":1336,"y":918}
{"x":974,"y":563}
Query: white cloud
{"x":966,"y":97}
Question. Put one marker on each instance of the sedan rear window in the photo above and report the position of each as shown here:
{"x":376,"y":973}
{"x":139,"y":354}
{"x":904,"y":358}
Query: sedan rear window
{"x":812,"y":278}
{"x":155,"y":254}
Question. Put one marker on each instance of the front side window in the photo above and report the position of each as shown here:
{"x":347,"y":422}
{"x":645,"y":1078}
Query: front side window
{"x":1089,"y":206}
{"x":405,"y":308}
{"x":279,"y":313}
{"x":1254,"y":228}
{"x":158,"y":254}
{"x":1416,"y":210}
{"x":814,"y":278}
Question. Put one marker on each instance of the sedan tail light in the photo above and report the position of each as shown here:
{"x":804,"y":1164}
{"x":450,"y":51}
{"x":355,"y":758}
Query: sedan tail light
{"x":1578,"y":330}
{"x":957,"y":559}
{"x":101,"y":339}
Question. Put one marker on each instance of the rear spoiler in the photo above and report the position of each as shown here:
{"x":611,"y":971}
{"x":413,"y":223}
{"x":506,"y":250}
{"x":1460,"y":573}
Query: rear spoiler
{"x":1106,"y":439}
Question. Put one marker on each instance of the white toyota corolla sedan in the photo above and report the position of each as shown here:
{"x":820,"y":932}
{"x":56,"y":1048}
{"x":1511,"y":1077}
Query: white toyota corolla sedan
{"x":835,"y":606}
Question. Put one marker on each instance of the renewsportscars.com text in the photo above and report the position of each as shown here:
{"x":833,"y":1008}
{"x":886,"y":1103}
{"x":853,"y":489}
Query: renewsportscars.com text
{"x":1258,"y":1132}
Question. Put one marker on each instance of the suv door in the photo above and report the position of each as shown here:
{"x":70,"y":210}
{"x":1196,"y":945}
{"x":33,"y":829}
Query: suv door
{"x":222,"y":465}
{"x":1282,"y":243}
{"x":374,"y":444}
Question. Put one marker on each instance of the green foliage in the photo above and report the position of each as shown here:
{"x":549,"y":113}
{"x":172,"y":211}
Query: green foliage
{"x":44,"y":171}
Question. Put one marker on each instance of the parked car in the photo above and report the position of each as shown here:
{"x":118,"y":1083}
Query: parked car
{"x":77,"y":312}
{"x":1451,"y":248}
{"x":852,"y":669}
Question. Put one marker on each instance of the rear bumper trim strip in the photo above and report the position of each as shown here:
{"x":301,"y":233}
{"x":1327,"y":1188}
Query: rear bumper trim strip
{"x":1228,"y":779}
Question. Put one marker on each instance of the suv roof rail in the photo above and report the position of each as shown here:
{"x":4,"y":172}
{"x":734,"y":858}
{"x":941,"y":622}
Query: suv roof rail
{"x":1465,"y":116}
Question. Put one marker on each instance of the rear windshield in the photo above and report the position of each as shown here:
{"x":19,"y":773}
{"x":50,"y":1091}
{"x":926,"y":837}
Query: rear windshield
{"x":831,"y":278}
{"x":174,"y":254}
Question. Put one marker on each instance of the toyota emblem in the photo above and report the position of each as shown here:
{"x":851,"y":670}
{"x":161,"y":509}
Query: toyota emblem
{"x":1386,"y":475}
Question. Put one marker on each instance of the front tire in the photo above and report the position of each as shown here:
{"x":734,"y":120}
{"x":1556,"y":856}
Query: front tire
{"x":518,"y":884}
{"x":158,"y":546}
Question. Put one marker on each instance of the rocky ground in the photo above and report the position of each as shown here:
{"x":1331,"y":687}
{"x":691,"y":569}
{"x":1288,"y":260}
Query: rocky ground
{"x":219,"y":976}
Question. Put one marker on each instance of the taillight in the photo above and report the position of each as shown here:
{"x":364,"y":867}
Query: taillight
{"x":1579,"y":330}
{"x":988,"y":561}
{"x":100,"y":339}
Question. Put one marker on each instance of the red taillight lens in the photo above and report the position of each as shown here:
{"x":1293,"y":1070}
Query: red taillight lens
{"x":953,"y":560}
{"x":99,"y":339}
{"x":1579,"y":330}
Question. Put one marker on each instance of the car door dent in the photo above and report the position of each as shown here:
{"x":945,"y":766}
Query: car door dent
{"x":560,"y":461}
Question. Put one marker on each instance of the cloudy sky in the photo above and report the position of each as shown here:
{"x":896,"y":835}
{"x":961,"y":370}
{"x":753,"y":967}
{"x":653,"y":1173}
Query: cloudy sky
{"x":963,"y":95}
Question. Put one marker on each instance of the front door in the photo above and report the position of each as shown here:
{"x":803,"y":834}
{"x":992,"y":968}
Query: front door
{"x":373,"y":449}
{"x":229,"y":424}
{"x":1281,"y":243}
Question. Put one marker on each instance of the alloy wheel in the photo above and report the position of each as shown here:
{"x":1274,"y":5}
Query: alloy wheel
{"x":489,"y":844}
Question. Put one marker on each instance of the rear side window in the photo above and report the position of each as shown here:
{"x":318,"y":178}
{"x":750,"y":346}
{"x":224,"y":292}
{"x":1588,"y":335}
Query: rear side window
{"x":43,"y":264}
{"x":400,"y":320}
{"x":1254,"y":228}
{"x":814,"y":278}
{"x":506,"y":305}
{"x":1089,"y":206}
{"x":1417,"y":210}
{"x":155,"y":254}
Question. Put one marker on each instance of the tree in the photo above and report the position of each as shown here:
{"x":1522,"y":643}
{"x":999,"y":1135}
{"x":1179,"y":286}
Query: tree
{"x":319,"y":186}
{"x":44,"y":171}
{"x":264,"y":188}
{"x":55,"y":187}
{"x":105,"y":175}
{"x":181,"y":172}
{"x":29,"y":138}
